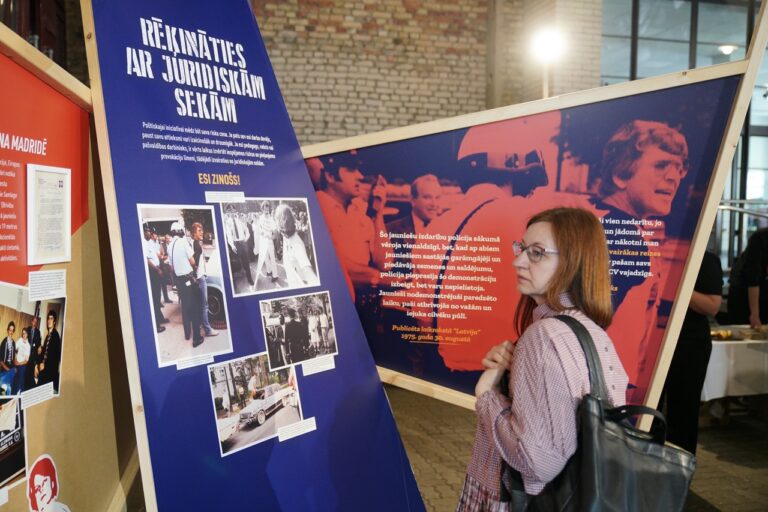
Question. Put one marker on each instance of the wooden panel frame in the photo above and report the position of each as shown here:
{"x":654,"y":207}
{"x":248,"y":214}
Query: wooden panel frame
{"x":27,"y":56}
{"x":118,"y":258}
{"x":747,"y":68}
{"x":31,"y":59}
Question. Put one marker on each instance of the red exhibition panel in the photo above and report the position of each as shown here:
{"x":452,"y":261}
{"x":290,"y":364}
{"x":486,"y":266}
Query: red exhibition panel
{"x":39,"y":126}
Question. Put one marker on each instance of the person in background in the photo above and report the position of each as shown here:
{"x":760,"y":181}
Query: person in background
{"x":324,"y":328}
{"x":298,"y":268}
{"x":685,"y":379}
{"x":266,"y":229}
{"x":49,"y":357}
{"x":296,"y":336}
{"x":201,"y":266}
{"x":562,"y":269}
{"x":23,"y":350}
{"x":182,"y":259}
{"x":165,"y":267}
{"x":35,"y":342}
{"x":748,"y":291}
{"x":152,"y":255}
{"x":313,"y":326}
{"x":425,"y":206}
{"x":354,"y":232}
{"x":7,"y":363}
{"x":237,"y":237}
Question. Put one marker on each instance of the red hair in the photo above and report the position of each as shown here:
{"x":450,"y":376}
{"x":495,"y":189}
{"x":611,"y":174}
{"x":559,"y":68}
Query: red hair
{"x":582,"y":269}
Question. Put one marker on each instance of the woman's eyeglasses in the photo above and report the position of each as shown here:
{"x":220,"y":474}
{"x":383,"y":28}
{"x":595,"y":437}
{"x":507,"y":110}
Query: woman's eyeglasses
{"x":534,"y":252}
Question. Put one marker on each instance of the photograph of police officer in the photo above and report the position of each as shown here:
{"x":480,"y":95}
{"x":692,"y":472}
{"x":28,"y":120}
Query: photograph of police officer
{"x":183,"y":267}
{"x":270,"y":245}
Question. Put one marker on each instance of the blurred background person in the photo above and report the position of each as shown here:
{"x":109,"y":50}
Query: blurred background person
{"x":152,"y":255}
{"x":298,"y":268}
{"x":201,"y":266}
{"x":49,"y":359}
{"x":23,"y":350}
{"x":685,"y":379}
{"x":748,"y":290}
{"x":183,"y":263}
{"x":426,"y":192}
{"x":8,"y":361}
{"x":237,"y":239}
{"x":35,"y":341}
{"x":265,"y":230}
{"x":354,"y":231}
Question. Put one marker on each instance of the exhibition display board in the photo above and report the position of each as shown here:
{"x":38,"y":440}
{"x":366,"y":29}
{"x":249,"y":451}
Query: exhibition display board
{"x":251,"y":381}
{"x":57,"y":435}
{"x":441,"y":203}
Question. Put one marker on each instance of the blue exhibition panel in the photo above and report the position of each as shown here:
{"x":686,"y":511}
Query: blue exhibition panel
{"x":198,"y":131}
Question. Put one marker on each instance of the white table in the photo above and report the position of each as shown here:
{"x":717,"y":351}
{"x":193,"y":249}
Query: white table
{"x":736,"y":368}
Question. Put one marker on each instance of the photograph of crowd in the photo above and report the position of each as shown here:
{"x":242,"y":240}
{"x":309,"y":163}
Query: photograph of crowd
{"x":13,"y":458}
{"x":184,"y":281}
{"x":31,"y":347}
{"x":298,"y":329}
{"x":270,"y":245}
{"x":252,"y":402}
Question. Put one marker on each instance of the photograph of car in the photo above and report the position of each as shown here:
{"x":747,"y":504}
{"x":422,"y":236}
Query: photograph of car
{"x":251,"y":402}
{"x":267,"y":400}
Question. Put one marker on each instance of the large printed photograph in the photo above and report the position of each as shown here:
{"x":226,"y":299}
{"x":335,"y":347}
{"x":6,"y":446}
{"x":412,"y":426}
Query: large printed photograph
{"x":185,"y":282}
{"x":270,"y":245}
{"x":426,"y":241}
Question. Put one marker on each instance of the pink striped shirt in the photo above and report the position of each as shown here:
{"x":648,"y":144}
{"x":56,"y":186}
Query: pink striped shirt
{"x":535,"y":428}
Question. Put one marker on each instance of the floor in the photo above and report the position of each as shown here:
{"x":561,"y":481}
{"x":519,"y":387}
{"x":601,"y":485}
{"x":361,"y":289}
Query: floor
{"x":732,"y":471}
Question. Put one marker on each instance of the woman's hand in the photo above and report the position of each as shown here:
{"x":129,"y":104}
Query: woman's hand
{"x":500,"y":356}
{"x":496,"y":362}
{"x":489,"y":380}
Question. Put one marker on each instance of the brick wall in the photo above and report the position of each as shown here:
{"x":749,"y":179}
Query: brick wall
{"x":582,"y":21}
{"x":352,"y":67}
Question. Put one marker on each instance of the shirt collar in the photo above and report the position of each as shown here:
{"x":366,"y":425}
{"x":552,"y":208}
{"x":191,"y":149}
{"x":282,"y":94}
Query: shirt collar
{"x":545,"y":310}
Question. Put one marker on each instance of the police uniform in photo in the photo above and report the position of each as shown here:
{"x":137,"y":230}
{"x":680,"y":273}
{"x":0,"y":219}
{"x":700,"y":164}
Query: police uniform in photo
{"x":181,"y":252}
{"x":151,"y":250}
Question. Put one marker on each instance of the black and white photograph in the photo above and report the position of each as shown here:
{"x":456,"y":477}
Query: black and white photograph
{"x":32,"y":341}
{"x":270,"y":245}
{"x":184,"y":280}
{"x":298,"y":329}
{"x":13,"y":449}
{"x":251,"y":402}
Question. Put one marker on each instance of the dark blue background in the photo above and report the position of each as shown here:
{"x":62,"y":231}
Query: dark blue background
{"x":355,"y":459}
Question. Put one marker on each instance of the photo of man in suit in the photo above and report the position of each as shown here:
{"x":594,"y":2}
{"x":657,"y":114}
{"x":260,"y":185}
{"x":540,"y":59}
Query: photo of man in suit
{"x":425,"y":206}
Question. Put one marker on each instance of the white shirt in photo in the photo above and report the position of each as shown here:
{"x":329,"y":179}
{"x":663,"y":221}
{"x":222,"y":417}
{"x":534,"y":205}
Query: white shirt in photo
{"x":23,"y":349}
{"x":180,"y":253}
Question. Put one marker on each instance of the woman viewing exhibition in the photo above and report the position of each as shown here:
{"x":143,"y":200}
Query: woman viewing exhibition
{"x":562,"y":269}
